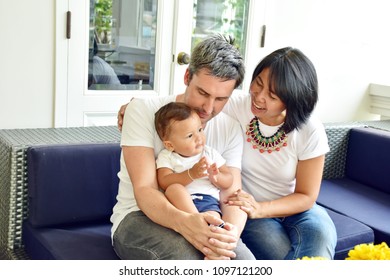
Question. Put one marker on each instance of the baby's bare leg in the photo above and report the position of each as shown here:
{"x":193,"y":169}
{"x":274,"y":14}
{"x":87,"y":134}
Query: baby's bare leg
{"x":180,"y":198}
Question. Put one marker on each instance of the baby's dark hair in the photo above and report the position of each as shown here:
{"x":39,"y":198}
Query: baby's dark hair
{"x":174,"y":111}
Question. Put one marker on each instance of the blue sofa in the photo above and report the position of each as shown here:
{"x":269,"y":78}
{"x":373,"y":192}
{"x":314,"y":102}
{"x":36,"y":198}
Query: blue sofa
{"x":71,"y":192}
{"x":363,"y":192}
{"x":72,"y":189}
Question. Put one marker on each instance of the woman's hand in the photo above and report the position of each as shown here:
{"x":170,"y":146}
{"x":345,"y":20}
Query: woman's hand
{"x":246,"y":202}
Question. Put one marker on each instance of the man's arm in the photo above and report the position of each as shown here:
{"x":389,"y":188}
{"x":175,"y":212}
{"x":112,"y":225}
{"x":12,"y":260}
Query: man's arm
{"x":141,"y":168}
{"x":140,"y":164}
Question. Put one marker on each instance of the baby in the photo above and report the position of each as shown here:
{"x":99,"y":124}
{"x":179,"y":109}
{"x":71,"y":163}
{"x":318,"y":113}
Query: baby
{"x":190,"y":172}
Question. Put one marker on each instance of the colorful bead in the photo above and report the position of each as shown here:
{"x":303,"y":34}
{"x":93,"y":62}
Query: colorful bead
{"x":259,"y":141}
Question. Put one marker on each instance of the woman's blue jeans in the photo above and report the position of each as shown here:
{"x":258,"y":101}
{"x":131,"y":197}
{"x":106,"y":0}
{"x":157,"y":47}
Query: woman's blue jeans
{"x":311,"y":233}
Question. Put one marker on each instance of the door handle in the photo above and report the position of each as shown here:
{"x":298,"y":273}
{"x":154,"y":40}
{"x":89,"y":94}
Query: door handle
{"x":183,"y":58}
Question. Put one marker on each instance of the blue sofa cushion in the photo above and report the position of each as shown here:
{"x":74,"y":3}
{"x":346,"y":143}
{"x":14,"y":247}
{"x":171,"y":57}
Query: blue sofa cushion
{"x":87,"y":242}
{"x":349,"y":234}
{"x":70,"y":184}
{"x":368,"y":157}
{"x":361,"y":202}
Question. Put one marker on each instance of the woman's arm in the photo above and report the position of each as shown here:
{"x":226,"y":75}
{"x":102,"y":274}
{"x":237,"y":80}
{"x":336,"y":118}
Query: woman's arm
{"x":308,"y":182}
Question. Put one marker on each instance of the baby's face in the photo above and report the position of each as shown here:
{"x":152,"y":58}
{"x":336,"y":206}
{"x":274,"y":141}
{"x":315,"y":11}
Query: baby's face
{"x":187,"y":137}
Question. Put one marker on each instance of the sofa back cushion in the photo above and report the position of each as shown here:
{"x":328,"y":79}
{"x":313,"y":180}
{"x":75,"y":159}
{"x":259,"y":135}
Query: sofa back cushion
{"x":368,"y":157}
{"x":70,"y":184}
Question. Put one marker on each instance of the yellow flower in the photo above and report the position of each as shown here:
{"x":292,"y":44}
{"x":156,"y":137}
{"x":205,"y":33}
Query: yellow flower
{"x":311,"y":258}
{"x":369,"y":252}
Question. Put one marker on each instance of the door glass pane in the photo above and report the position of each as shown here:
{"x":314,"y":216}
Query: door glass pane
{"x":220,"y":16}
{"x":122,"y":41}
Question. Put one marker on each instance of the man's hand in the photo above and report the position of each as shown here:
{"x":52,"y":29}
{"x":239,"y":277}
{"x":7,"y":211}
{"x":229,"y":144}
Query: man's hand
{"x":121,"y":114}
{"x":221,"y":249}
{"x":202,"y":231}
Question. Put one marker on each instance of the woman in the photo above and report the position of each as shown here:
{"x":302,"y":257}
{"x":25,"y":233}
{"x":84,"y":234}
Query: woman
{"x":283,"y":160}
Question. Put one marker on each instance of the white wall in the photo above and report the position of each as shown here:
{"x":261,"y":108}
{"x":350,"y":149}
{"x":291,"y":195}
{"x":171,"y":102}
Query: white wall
{"x":27,"y":63}
{"x":348,"y":41}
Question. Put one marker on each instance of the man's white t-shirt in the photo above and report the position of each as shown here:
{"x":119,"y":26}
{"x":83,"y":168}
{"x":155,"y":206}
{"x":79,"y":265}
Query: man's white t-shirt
{"x":271,"y":176}
{"x":222,"y":133}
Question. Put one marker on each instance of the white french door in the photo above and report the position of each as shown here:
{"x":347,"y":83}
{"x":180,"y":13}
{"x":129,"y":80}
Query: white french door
{"x":189,"y":14}
{"x":79,"y":104}
{"x":76,"y":104}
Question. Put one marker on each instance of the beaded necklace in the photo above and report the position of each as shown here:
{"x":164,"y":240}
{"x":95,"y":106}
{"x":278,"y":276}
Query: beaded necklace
{"x":263,"y":143}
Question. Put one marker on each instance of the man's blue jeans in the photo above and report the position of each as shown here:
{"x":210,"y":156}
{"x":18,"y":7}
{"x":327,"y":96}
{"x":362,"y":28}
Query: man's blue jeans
{"x":311,"y":233}
{"x":139,"y":238}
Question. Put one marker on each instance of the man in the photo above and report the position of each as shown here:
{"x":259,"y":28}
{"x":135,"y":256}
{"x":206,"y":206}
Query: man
{"x":145,"y":224}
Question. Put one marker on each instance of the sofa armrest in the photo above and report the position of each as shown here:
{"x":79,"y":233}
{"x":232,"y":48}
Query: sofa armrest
{"x":338,"y":135}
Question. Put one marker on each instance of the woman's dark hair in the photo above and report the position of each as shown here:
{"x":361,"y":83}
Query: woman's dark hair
{"x":173,"y":111}
{"x":293,"y":78}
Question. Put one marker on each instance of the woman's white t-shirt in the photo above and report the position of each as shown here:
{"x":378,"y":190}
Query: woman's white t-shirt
{"x":268,"y":176}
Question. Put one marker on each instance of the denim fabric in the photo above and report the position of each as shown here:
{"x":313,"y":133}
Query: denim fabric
{"x":138,"y":238}
{"x":311,"y":233}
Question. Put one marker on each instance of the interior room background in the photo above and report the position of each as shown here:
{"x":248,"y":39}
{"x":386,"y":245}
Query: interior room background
{"x":348,"y":41}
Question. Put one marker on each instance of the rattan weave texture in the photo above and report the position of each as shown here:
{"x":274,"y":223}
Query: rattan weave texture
{"x":13,"y":174}
{"x":338,"y":134}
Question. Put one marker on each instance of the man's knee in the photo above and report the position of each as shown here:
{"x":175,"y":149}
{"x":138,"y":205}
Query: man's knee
{"x":138,"y":238}
{"x":177,"y":248}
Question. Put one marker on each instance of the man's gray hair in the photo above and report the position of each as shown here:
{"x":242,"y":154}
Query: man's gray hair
{"x":220,"y":57}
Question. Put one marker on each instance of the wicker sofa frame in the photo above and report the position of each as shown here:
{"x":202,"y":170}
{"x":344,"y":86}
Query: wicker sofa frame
{"x":13,"y":169}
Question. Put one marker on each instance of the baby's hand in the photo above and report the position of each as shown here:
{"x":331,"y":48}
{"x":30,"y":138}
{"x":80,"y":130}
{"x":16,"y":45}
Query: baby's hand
{"x":199,"y":169}
{"x":213,"y":171}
